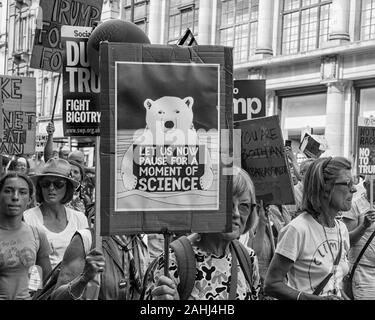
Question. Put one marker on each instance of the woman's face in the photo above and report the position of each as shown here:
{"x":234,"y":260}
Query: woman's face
{"x":342,"y":191}
{"x":14,"y":197}
{"x":53,"y":189}
{"x":75,"y":173}
{"x":241,"y":210}
{"x":21,"y":165}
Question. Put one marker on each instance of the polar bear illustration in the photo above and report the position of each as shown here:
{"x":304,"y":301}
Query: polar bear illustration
{"x":169,"y":121}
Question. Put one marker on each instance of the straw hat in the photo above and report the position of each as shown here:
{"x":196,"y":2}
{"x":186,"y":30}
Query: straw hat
{"x":56,"y":168}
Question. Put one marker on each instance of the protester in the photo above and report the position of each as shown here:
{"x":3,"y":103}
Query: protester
{"x":121,"y":263}
{"x":21,"y":246}
{"x":20,"y":164}
{"x":55,"y":188}
{"x":359,"y":221}
{"x":271,"y":221}
{"x":213,"y":254}
{"x":80,"y":200}
{"x":312,"y":244}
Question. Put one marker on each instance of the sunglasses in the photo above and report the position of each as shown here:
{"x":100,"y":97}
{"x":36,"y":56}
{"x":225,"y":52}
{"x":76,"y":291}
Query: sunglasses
{"x":246,"y":209}
{"x":58,"y":184}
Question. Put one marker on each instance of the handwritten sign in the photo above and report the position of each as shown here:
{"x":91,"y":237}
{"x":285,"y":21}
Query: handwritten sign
{"x":366,"y":146}
{"x":47,"y":50}
{"x":18,"y":99}
{"x":263,"y":157}
{"x":81,"y":88}
{"x":41,"y":140}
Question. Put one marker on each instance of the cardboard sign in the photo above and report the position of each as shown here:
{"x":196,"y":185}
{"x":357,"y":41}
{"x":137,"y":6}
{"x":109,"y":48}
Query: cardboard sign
{"x":263,"y":157}
{"x":366,"y":146}
{"x":18,"y":97}
{"x":47,"y":50}
{"x":313,"y":146}
{"x":249,"y":99}
{"x":160,"y":134}
{"x":41,"y":140}
{"x":81,"y":87}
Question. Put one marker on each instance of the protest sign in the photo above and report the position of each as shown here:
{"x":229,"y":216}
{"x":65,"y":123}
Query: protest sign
{"x":160,"y":128}
{"x":41,"y":140}
{"x":263,"y":157}
{"x":18,"y":96}
{"x":313,"y":146}
{"x":47,"y":49}
{"x":249,"y":99}
{"x":366,"y":146}
{"x":81,"y":88}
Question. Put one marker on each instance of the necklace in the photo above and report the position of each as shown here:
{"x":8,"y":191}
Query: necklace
{"x":335,"y":266}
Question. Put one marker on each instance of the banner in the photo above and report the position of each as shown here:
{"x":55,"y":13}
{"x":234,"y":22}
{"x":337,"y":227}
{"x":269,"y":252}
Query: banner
{"x":81,"y":88}
{"x":18,"y":97}
{"x":162,"y":122}
{"x":47,"y":49}
{"x":263,"y":157}
{"x":249,"y":99}
{"x":366,"y":146}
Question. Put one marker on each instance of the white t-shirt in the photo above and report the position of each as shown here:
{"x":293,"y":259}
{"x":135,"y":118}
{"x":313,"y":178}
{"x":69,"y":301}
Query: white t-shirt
{"x":303,"y":241}
{"x":58,"y":241}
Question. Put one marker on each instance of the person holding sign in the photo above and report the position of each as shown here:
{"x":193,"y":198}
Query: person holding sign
{"x":21,"y":246}
{"x":312,"y":248}
{"x":215,"y":255}
{"x":54,"y":188}
{"x":360,"y":222}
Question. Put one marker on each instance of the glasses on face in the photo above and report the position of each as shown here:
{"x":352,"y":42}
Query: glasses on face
{"x":349,"y":184}
{"x":246,"y":208}
{"x":58,"y":184}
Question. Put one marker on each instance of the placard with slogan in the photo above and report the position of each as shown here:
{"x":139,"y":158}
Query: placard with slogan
{"x":18,"y":98}
{"x":263,"y":157}
{"x":160,"y":144}
{"x":41,"y":140}
{"x":366,"y":146}
{"x":81,"y":88}
{"x":249,"y":99}
{"x":47,"y":49}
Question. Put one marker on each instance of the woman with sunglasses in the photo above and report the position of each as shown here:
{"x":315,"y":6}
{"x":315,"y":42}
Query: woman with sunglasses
{"x":312,"y":249}
{"x":214,"y":257}
{"x":55,"y":188}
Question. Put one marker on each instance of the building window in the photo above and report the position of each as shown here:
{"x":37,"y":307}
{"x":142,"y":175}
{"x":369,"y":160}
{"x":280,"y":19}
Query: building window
{"x":367,"y":98}
{"x":137,"y":11}
{"x":183,"y":14}
{"x":368,"y":20}
{"x":239,"y":27}
{"x":305,"y":25}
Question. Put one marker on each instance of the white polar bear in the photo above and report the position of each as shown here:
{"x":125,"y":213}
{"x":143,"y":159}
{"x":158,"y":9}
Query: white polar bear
{"x":169,"y":121}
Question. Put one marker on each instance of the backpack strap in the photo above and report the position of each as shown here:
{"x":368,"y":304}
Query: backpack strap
{"x":186,"y":265}
{"x":244,"y":259}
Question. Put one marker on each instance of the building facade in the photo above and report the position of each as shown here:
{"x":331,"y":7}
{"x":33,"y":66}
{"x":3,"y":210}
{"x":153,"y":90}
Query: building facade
{"x":317,"y":56}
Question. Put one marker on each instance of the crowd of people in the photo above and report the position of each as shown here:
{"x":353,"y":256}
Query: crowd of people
{"x":303,"y":251}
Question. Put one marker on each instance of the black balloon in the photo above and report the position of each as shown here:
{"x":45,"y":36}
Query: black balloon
{"x":114,"y":30}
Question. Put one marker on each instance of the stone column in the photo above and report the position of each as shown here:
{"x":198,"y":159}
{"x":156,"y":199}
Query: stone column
{"x":155,"y":22}
{"x":339,"y":21}
{"x":265,"y":28}
{"x":205,"y":21}
{"x":335,"y":119}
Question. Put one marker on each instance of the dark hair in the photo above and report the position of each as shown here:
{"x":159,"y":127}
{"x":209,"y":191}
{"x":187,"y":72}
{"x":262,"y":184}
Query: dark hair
{"x":15,"y":174}
{"x":13,"y":164}
{"x":67,"y":197}
{"x":319,"y":179}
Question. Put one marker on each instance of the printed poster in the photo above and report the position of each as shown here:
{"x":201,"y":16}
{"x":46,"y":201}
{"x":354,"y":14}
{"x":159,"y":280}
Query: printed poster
{"x":366,"y":146}
{"x":18,"y":121}
{"x":167,"y":136}
{"x":81,"y":87}
{"x":52,"y":14}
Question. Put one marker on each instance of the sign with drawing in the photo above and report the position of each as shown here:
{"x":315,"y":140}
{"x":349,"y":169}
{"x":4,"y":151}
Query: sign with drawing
{"x":166,"y":137}
{"x":18,"y":121}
